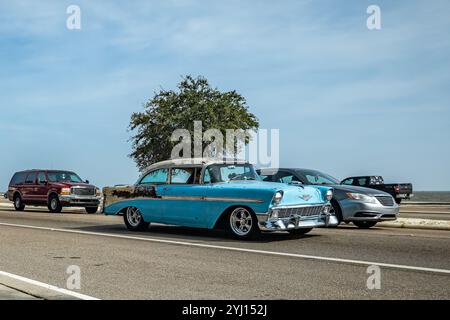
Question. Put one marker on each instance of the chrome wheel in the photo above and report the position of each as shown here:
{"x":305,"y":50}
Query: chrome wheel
{"x":241,"y":221}
{"x":18,"y":202}
{"x":134,"y":216}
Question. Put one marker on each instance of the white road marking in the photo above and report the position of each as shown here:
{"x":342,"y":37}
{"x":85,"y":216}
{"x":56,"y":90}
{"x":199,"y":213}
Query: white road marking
{"x":256,"y":251}
{"x":47,"y":286}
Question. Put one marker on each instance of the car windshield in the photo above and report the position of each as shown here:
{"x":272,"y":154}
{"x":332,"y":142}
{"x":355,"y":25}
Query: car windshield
{"x":316,"y":177}
{"x":64,"y":176}
{"x":225,"y":173}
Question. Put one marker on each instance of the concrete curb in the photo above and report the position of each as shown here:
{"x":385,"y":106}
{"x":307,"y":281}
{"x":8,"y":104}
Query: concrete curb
{"x":416,"y":223}
{"x":425,"y":203}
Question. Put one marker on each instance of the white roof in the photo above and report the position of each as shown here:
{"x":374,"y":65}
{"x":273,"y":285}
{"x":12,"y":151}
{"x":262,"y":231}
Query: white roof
{"x":194,"y":162}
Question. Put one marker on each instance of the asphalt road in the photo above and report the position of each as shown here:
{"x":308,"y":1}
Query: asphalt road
{"x":168,"y":262}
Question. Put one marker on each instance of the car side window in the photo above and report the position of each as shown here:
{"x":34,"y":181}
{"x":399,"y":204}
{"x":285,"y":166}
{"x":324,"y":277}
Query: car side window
{"x":286,"y":177}
{"x":158,"y":176}
{"x":348,"y":182}
{"x":42,"y":179}
{"x":362,"y":181}
{"x":207,"y":177}
{"x":265,"y":178}
{"x":18,"y":178}
{"x":31,"y":178}
{"x":183,"y":176}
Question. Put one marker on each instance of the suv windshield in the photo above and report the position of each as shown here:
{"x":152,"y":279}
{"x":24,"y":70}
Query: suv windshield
{"x":226,"y":172}
{"x":316,"y":177}
{"x":64,"y":176}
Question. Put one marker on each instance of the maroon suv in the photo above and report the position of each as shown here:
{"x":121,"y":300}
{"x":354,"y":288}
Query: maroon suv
{"x":52,"y":188}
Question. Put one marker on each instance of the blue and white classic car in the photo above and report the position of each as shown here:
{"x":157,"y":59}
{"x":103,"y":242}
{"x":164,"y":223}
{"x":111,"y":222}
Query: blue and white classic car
{"x":204,"y":193}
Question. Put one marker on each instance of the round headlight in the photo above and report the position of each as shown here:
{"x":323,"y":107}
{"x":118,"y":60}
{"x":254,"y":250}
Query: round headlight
{"x":329,"y":195}
{"x":277,"y":197}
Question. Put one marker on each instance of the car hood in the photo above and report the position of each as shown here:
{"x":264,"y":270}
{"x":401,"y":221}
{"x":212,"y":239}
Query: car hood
{"x":292,"y":194}
{"x":363,"y":190}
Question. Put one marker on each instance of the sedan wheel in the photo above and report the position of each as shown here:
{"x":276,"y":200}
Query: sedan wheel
{"x":242,"y":223}
{"x":134,"y":220}
{"x":336,"y":209}
{"x":364,"y":224}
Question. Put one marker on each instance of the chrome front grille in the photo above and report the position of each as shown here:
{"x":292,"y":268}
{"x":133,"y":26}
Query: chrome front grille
{"x":83,"y":191}
{"x":386,"y":201}
{"x":300,"y":211}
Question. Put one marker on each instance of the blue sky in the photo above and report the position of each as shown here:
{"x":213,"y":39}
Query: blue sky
{"x":347,"y":100}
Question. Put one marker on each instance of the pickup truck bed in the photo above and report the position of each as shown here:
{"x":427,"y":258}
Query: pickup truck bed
{"x":398,"y":191}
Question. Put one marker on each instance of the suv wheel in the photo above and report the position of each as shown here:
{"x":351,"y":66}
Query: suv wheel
{"x":91,"y":210}
{"x":54,"y":205}
{"x":18,"y":204}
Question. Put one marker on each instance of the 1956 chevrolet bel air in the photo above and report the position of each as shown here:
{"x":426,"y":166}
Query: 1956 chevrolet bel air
{"x":204,"y":193}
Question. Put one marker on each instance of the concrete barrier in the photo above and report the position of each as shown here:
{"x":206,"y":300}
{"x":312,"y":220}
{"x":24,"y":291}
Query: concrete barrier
{"x":415,"y":223}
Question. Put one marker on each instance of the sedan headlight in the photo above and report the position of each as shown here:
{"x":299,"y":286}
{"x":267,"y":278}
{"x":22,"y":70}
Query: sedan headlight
{"x":65,"y":191}
{"x":361,"y":197}
{"x":329,"y":195}
{"x":277,"y":197}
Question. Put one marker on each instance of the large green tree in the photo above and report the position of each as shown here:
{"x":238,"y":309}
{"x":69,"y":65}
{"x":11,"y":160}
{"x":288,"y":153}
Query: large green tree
{"x":167,"y":111}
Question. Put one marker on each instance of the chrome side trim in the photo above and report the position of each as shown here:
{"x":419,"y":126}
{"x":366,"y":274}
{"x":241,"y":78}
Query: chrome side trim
{"x":221,"y":199}
{"x":195,"y":198}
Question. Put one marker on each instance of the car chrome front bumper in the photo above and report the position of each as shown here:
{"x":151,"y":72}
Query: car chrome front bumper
{"x":80,"y":201}
{"x":295,"y":221}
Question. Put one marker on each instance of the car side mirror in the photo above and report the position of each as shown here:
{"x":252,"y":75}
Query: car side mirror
{"x":87,"y":181}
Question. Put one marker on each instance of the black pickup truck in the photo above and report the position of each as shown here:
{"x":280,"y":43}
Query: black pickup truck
{"x":397,"y":190}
